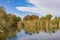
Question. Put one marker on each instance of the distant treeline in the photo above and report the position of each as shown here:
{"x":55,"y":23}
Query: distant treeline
{"x":33,"y":24}
{"x":10,"y":23}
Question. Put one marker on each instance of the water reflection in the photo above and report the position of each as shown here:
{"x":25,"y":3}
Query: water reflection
{"x":18,"y":34}
{"x":12,"y":38}
{"x":21,"y":34}
{"x":41,"y":36}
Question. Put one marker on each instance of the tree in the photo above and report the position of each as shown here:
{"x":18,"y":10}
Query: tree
{"x":48,"y":17}
{"x":26,"y":17}
{"x":3,"y":23}
{"x":31,"y":17}
{"x":13,"y":20}
{"x":8,"y":22}
{"x":34,"y":17}
{"x":57,"y":21}
{"x":3,"y":14}
{"x":18,"y":19}
{"x":3,"y":17}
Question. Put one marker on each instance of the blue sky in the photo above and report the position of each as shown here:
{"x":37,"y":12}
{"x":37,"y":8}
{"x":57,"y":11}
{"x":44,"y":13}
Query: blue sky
{"x":28,"y":7}
{"x":10,"y":6}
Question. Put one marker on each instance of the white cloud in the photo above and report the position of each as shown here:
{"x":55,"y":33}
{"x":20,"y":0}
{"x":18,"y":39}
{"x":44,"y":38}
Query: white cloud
{"x":40,"y":10}
{"x":42,"y":6}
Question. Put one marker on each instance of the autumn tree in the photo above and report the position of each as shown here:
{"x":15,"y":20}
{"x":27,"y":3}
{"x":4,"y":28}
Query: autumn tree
{"x":26,"y":17}
{"x":31,"y":17}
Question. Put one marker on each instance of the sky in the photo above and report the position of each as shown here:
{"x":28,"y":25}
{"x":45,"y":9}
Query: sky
{"x":31,"y":7}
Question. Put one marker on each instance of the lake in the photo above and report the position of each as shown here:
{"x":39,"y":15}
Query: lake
{"x":37,"y":36}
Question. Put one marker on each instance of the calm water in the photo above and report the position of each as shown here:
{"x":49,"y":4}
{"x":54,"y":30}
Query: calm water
{"x":40,"y":36}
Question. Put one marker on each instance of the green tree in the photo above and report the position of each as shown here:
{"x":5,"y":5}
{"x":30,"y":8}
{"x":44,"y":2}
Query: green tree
{"x":3,"y":23}
{"x":48,"y":17}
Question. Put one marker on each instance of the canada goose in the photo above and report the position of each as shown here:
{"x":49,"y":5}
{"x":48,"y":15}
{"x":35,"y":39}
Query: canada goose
{"x":37,"y":32}
{"x":53,"y":31}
